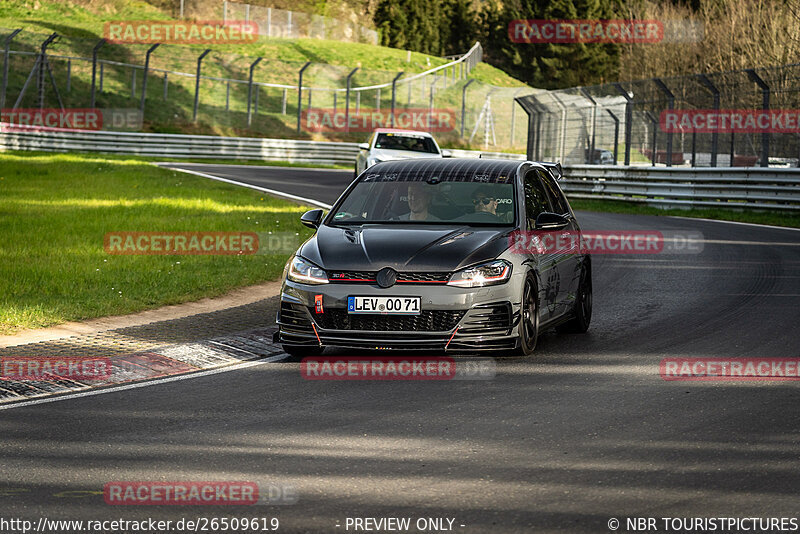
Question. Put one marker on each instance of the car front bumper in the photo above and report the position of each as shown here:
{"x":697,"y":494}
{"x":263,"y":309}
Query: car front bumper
{"x":452,"y":318}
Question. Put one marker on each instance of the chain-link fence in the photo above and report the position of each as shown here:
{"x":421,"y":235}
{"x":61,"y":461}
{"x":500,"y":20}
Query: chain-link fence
{"x":292,"y":24}
{"x":190,"y":89}
{"x":739,"y":118}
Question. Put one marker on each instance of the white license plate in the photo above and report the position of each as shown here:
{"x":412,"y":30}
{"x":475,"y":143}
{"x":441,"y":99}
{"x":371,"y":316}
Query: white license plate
{"x":384,"y":305}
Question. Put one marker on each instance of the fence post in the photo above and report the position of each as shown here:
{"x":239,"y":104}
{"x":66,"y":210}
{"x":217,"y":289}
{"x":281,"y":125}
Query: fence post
{"x":228,"y":95}
{"x":283,"y":102}
{"x":628,"y":122}
{"x":133,"y":82}
{"x":765,"y":107}
{"x":96,"y":48}
{"x":44,"y":65}
{"x":430,"y":103}
{"x":594,"y":123}
{"x":347,"y":100}
{"x":144,"y":81}
{"x":655,"y":135}
{"x":513,"y":112}
{"x":69,"y":75}
{"x":715,"y":135}
{"x":616,"y":134}
{"x":394,"y":94}
{"x":5,"y":67}
{"x":671,"y":105}
{"x":165,"y":86}
{"x":300,"y":93}
{"x":250,"y":89}
{"x":197,"y":83}
{"x":378,"y":99}
{"x":464,"y":105}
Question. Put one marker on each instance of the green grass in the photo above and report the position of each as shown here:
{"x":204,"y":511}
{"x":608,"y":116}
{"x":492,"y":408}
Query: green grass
{"x":774,"y":218}
{"x":55,"y":210}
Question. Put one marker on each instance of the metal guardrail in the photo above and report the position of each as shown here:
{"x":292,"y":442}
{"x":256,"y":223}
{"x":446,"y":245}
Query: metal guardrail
{"x":17,"y":137}
{"x":719,"y":187}
{"x":753,"y":187}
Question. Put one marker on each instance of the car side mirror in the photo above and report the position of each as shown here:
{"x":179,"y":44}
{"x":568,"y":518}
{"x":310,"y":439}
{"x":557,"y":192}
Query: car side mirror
{"x":447,"y":154}
{"x":551,"y":221}
{"x":363,"y":146}
{"x":312,"y":218}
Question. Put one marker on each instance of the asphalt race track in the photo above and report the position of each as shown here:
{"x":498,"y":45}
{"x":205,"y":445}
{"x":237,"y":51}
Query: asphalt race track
{"x":584,"y":431}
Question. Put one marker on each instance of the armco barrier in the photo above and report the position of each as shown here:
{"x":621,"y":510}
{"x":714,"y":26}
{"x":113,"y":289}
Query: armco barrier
{"x":738,"y":187}
{"x":192,"y":146}
{"x":687,"y":187}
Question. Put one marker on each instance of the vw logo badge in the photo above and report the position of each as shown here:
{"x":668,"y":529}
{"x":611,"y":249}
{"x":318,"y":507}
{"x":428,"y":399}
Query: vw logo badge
{"x":386,"y":277}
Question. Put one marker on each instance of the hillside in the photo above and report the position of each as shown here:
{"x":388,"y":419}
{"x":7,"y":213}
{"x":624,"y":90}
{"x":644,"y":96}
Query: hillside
{"x":223,"y":106}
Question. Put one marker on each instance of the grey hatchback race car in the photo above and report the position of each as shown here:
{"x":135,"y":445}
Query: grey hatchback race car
{"x":419,"y":254}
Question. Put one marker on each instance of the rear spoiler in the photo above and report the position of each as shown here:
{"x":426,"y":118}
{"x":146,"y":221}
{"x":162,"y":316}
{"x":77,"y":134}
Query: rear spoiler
{"x":554,"y":168}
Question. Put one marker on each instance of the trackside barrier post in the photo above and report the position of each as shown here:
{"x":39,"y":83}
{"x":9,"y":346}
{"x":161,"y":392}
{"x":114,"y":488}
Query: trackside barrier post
{"x":96,"y":49}
{"x":300,"y":93}
{"x":464,"y":105}
{"x":250,"y":90}
{"x":616,"y":134}
{"x":347,"y":100}
{"x":394,"y":96}
{"x":144,"y":81}
{"x":5,"y":67}
{"x":715,"y":135}
{"x":671,"y":105}
{"x":197,"y":83}
{"x":628,"y":123}
{"x":764,"y":106}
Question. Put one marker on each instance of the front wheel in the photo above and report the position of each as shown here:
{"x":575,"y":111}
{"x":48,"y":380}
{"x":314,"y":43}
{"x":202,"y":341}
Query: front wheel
{"x":528,"y":328}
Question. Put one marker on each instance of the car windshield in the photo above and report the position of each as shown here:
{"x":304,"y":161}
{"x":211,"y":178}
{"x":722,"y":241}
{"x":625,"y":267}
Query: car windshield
{"x":407,"y":142}
{"x":381,"y":198}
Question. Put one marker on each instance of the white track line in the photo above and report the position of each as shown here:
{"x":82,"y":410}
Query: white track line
{"x":125,"y":387}
{"x":735,"y":222}
{"x":257,"y":188}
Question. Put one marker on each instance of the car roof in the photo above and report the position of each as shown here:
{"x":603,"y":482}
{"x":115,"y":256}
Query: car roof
{"x":448,"y":167}
{"x":399,"y":131}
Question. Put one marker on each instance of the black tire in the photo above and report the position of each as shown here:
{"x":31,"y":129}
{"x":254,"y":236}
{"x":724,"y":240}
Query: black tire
{"x":298,"y":352}
{"x":582,"y":311}
{"x":528,"y":327}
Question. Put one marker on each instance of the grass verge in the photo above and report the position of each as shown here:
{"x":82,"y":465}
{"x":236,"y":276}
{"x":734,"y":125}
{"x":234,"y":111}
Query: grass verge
{"x":56,"y":209}
{"x":757,"y":217}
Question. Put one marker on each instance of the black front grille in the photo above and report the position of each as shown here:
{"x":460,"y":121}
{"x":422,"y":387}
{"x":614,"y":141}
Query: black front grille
{"x":423,"y":277}
{"x":426,"y":321}
{"x":485,"y":320}
{"x":295,"y":317}
{"x":369,"y":276}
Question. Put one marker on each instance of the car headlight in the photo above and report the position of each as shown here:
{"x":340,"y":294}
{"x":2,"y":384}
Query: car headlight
{"x":305,"y":272}
{"x":486,"y":274}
